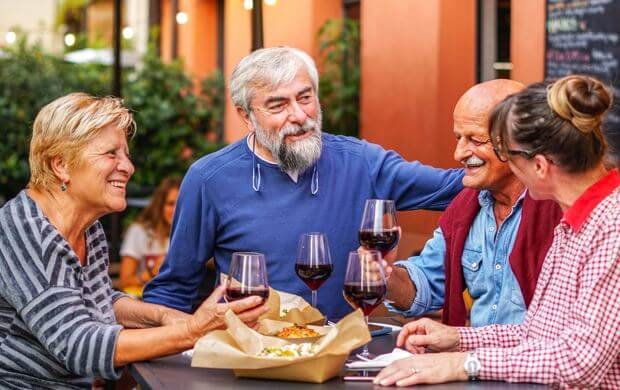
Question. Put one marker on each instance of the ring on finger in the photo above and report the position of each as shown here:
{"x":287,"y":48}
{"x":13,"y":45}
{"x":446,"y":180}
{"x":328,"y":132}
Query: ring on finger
{"x":415,"y":370}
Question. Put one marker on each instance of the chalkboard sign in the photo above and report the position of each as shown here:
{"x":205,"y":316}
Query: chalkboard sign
{"x":583,"y":36}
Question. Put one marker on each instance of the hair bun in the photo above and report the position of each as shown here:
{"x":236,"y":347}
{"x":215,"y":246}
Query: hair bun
{"x":582,"y":100}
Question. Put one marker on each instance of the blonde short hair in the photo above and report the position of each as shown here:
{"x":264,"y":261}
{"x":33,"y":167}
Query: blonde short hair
{"x":65,"y":126}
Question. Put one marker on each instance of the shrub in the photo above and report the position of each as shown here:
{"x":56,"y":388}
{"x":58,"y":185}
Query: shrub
{"x":173,"y":116}
{"x":339,"y":44}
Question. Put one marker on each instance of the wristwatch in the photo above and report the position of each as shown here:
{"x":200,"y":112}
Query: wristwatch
{"x":472,"y":366}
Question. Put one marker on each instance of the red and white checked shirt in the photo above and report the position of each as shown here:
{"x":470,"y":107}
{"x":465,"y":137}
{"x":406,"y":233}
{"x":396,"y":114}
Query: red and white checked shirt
{"x":571,"y":334}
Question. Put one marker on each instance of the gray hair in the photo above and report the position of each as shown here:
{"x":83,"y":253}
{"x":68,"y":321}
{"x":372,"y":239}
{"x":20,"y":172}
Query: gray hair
{"x":269,"y":67}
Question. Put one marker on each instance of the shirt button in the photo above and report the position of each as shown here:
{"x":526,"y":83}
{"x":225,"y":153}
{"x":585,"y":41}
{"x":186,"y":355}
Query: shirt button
{"x":492,"y":228}
{"x":474,"y":265}
{"x":498,"y":266}
{"x":494,"y":307}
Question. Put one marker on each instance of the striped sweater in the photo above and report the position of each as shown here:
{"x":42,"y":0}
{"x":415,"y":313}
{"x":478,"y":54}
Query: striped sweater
{"x":57,"y":324}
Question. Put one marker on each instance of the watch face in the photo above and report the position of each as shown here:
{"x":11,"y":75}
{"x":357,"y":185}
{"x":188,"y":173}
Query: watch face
{"x":472,"y":365}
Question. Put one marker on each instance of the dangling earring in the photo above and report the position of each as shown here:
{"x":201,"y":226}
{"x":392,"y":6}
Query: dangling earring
{"x":63,"y":187}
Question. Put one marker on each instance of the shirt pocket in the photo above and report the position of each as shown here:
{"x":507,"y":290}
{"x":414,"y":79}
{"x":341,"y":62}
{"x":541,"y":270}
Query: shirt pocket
{"x":471,"y":262}
{"x":516,"y":296}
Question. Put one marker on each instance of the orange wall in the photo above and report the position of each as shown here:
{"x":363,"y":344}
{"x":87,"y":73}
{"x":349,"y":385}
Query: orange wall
{"x":197,"y":39}
{"x":527,"y":40}
{"x":237,"y":43}
{"x":417,"y":59}
{"x":289,"y":22}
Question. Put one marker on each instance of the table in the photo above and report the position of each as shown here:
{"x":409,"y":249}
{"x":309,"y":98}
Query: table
{"x":175,"y":372}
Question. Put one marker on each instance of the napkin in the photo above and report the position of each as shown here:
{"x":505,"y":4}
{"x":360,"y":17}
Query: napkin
{"x":381,"y":360}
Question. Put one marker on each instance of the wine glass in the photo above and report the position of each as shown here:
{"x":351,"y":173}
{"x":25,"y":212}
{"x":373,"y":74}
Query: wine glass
{"x":379,"y":228}
{"x":364,"y":284}
{"x":247,"y":276}
{"x":313,"y":264}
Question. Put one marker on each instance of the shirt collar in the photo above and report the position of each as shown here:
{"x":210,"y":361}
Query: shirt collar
{"x":576,"y":215}
{"x":486,"y":199}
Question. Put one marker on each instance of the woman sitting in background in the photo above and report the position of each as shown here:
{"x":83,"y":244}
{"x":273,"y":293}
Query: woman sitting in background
{"x":61,"y":323}
{"x":551,"y":137}
{"x":146,"y":241}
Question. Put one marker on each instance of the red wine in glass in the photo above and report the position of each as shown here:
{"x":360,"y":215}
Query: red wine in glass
{"x":383,"y":240}
{"x":314,"y":275}
{"x":247,"y":276}
{"x":379,"y":228}
{"x":365,"y":297}
{"x":236,"y":293}
{"x":364,"y":284}
{"x":314,"y":263}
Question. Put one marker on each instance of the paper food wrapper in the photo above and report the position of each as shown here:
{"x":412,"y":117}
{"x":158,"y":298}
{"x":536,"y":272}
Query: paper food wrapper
{"x":237,"y":348}
{"x":287,"y":307}
{"x":291,"y":308}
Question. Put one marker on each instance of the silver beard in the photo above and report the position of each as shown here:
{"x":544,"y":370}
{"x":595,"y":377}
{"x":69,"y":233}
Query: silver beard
{"x":297,"y":156}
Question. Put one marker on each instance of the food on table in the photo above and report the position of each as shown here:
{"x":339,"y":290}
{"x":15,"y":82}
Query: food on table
{"x":289,"y":351}
{"x":283,"y":312}
{"x":296,"y":331}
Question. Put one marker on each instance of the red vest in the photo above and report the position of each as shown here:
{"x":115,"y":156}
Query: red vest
{"x":534,"y":237}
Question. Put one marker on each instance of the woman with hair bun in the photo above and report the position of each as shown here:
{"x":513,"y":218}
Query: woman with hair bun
{"x":550,"y":134}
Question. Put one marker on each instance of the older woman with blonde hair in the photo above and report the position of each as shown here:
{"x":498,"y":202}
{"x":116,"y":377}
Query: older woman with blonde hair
{"x":62,"y":325}
{"x":551,"y":136}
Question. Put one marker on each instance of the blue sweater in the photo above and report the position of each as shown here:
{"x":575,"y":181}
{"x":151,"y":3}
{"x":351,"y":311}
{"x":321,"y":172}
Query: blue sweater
{"x":218,"y":213}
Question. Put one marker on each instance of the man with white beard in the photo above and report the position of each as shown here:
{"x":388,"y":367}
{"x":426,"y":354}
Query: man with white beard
{"x":284,"y":179}
{"x":492,"y":239}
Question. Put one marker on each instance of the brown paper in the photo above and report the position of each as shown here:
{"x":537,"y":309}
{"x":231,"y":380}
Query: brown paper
{"x":237,"y":347}
{"x":298,"y":310}
{"x":273,"y":305}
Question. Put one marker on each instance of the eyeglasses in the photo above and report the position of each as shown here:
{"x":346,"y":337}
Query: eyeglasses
{"x":503,"y":155}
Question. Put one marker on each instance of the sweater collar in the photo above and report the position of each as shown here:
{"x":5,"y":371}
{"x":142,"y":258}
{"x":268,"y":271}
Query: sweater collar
{"x":292,"y":174}
{"x":256,"y":172}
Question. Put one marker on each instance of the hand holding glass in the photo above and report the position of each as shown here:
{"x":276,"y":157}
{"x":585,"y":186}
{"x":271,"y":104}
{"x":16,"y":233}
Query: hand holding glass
{"x":379,"y":228}
{"x":247,"y":276}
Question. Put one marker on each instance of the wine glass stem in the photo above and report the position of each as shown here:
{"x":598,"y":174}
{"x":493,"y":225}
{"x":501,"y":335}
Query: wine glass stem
{"x":365,"y":352}
{"x":314,"y":298}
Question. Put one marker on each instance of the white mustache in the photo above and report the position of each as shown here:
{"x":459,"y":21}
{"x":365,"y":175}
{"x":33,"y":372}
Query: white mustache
{"x":291,"y":129}
{"x":473,"y":160}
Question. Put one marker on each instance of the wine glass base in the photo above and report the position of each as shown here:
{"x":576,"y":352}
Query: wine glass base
{"x":365,"y":357}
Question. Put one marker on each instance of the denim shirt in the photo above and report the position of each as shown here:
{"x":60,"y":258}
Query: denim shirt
{"x":486,"y":269}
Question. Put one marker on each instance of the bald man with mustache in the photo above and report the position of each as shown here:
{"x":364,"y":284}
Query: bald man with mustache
{"x":491,"y":240}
